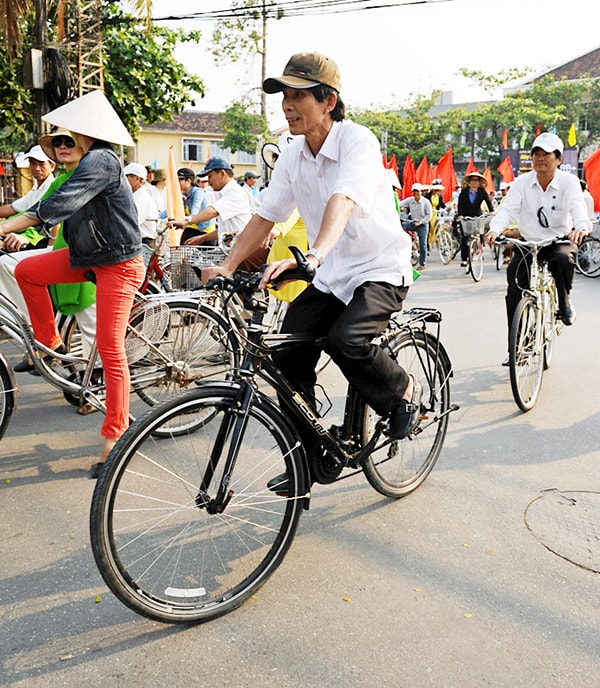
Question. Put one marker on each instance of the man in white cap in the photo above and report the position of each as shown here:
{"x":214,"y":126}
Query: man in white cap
{"x":42,"y":168}
{"x":146,"y":207}
{"x":420,"y":210}
{"x":547,"y":203}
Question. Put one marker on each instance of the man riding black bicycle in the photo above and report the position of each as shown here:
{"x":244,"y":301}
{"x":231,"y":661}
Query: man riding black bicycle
{"x":332,"y":172}
{"x":546,"y":202}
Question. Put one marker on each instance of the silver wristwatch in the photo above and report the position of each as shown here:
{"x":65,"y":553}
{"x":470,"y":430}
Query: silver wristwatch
{"x":317,"y":254}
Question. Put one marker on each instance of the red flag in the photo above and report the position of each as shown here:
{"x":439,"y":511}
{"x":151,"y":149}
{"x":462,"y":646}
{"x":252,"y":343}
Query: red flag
{"x":505,"y":138}
{"x":409,"y":177}
{"x":471,"y":167}
{"x":487,"y":175}
{"x":506,"y":170}
{"x":446,"y":172}
{"x":538,"y":130}
{"x":422,"y":172}
{"x":591,"y":169}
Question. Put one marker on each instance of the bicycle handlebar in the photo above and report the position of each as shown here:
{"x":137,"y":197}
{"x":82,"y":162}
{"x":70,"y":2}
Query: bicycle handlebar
{"x":501,"y":239}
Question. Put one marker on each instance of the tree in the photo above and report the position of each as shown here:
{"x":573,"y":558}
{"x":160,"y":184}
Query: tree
{"x":142,"y":78}
{"x":244,"y":33}
{"x":243,"y":129}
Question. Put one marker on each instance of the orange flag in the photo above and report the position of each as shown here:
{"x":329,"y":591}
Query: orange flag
{"x":506,"y":170}
{"x":538,"y":129}
{"x":174,"y":200}
{"x":487,"y":175}
{"x":446,"y":172}
{"x":409,"y":177}
{"x":471,"y":167}
{"x":591,"y":169}
{"x":505,"y":138}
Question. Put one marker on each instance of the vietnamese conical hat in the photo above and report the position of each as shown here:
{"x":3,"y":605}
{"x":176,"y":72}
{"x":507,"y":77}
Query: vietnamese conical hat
{"x":93,"y":116}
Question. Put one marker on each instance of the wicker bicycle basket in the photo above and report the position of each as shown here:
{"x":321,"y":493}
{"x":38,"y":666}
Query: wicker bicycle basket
{"x":182,"y":258}
{"x":473,"y":225}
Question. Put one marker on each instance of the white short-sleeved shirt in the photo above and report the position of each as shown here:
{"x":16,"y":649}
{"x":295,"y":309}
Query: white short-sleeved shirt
{"x":27,"y":201}
{"x":233,"y":208}
{"x":373,"y":245}
{"x":562,"y":203}
{"x":147,"y":212}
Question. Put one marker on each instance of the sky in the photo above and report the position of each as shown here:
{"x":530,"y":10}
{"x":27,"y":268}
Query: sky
{"x":387,"y":54}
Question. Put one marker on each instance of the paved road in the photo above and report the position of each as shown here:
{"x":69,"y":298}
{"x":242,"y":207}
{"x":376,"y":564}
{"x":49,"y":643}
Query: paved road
{"x":456,"y":585}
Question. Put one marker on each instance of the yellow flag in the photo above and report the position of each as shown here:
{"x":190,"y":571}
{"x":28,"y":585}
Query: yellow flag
{"x":572,"y":138}
{"x":174,"y":199}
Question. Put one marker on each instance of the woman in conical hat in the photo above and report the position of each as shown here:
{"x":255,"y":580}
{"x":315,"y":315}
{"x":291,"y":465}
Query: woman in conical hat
{"x":102,"y":234}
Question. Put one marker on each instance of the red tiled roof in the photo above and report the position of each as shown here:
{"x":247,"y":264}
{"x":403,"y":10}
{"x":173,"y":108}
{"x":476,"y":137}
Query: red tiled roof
{"x":190,"y":121}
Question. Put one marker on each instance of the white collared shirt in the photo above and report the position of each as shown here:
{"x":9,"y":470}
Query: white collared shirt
{"x":27,"y":201}
{"x":373,"y":245}
{"x":233,"y":208}
{"x":147,"y":212}
{"x":562,"y":203}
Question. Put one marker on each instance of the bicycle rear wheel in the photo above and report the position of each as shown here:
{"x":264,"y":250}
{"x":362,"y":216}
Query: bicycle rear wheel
{"x":588,"y":257}
{"x":476,"y":258}
{"x":526,"y":357}
{"x":400,"y":467}
{"x":157,"y":546}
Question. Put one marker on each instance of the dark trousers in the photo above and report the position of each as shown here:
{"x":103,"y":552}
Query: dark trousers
{"x":347,"y":332}
{"x":561,"y":261}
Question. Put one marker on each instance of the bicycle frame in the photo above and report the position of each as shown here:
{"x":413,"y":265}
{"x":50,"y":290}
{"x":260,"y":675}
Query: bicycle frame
{"x":338,"y":442}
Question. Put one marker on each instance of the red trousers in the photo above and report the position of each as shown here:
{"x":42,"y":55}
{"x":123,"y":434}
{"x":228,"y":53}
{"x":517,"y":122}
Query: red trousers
{"x":115,"y":290}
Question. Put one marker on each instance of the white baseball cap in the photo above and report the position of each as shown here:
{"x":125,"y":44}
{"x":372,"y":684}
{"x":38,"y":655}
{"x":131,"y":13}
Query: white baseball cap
{"x":136,"y":169}
{"x":548,"y":142}
{"x":416,"y":187}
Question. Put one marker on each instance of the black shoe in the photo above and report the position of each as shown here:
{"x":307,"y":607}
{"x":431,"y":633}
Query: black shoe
{"x":26,"y":366}
{"x":506,"y":361}
{"x":567,"y":315}
{"x":405,"y":417}
{"x":96,"y":469}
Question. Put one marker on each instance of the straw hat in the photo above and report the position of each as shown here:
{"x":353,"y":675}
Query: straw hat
{"x":91,"y":115}
{"x":46,"y":141}
{"x":474,"y":174}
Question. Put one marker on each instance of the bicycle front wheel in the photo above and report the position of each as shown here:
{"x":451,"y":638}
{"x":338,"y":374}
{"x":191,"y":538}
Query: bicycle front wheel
{"x":8,"y":394}
{"x":400,"y":467}
{"x":158,"y":545}
{"x":526,"y":355}
{"x":476,"y":258}
{"x":588,"y":257}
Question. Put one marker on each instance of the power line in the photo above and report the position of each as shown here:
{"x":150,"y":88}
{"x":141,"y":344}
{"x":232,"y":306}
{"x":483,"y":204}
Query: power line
{"x":295,"y":8}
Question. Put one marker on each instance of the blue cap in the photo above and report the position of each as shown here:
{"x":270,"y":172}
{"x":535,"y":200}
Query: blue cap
{"x":215,"y":164}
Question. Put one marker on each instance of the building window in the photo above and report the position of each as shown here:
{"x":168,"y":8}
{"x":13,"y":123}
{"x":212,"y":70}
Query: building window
{"x":192,"y":150}
{"x":217,"y":151}
{"x":243,"y":158}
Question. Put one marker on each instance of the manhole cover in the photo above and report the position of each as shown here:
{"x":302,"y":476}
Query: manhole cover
{"x":568,"y":524}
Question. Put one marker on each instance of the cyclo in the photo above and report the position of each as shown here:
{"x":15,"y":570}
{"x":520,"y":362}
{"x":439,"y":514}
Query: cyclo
{"x":184,"y":522}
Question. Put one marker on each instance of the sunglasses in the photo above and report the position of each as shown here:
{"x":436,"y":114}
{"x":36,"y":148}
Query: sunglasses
{"x":58,"y":141}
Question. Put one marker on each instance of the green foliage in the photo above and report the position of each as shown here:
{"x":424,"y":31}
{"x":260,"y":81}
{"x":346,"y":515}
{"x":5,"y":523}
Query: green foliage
{"x":17,"y":114}
{"x":242,"y":127}
{"x":142,"y":79}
